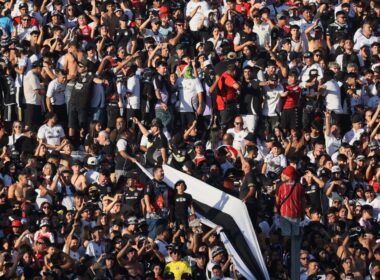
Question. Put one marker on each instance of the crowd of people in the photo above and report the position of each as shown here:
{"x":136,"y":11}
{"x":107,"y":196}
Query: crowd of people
{"x":274,"y":102}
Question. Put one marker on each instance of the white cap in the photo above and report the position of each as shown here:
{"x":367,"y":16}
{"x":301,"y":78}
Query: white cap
{"x":92,"y":161}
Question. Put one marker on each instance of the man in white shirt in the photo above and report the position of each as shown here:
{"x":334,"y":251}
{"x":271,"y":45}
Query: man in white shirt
{"x":239,"y":133}
{"x":372,"y":200}
{"x":95,"y":247}
{"x":190,"y":95}
{"x":55,"y":96}
{"x":272,"y":95}
{"x":32,"y":93}
{"x":198,"y":11}
{"x":366,"y":37}
{"x":356,"y":131}
{"x":309,"y":65}
{"x":51,"y":133}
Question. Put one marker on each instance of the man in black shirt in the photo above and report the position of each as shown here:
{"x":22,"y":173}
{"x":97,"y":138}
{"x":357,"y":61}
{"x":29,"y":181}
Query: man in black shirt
{"x":133,"y":196}
{"x":157,"y":142}
{"x":313,"y":190}
{"x":248,"y":189}
{"x":80,"y":98}
{"x":182,"y":202}
{"x":199,"y":268}
{"x":156,"y":200}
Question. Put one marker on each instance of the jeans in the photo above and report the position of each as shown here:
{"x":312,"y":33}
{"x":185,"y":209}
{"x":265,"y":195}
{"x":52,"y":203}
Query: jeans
{"x":68,"y":91}
{"x":153,"y":224}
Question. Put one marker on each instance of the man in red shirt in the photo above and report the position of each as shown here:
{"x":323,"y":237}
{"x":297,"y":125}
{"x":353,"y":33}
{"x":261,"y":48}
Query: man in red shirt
{"x":290,"y":98}
{"x":226,"y":101}
{"x":290,"y":196}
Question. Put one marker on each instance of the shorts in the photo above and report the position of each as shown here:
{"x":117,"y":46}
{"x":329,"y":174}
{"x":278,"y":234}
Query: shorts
{"x":228,"y":114}
{"x":289,"y":118}
{"x":33,"y":116}
{"x":78,"y":117}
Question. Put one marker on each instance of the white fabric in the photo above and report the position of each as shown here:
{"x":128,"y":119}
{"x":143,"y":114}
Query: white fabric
{"x":188,"y":89}
{"x":56,"y":90}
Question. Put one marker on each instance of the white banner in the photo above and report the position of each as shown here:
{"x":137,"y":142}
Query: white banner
{"x":226,"y":203}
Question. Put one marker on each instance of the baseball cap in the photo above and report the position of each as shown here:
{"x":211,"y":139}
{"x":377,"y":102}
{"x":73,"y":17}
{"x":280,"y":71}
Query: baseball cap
{"x":164,"y":11}
{"x":313,"y":72}
{"x":360,"y":157}
{"x":281,"y":15}
{"x":84,"y":62}
{"x":124,"y":17}
{"x":16,"y":223}
{"x":132,"y":221}
{"x":23,"y":5}
{"x":335,"y":169}
{"x":307,"y":55}
{"x":92,"y":161}
{"x":250,"y":137}
{"x":44,"y":222}
{"x":157,"y":123}
{"x":216,"y":251}
{"x":199,"y":44}
{"x":198,"y":143}
{"x":270,"y":138}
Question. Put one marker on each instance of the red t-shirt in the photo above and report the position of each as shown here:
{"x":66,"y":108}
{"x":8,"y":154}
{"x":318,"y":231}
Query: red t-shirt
{"x":86,"y":32}
{"x":291,"y":100}
{"x":243,"y":8}
{"x":17,"y":21}
{"x":226,"y":90}
{"x":293,"y":206}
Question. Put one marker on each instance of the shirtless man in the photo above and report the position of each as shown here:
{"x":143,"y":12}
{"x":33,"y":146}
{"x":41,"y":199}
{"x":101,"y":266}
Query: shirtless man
{"x":17,"y":191}
{"x":131,"y":263}
{"x":78,"y":180}
{"x":71,"y":67}
{"x":316,"y":41}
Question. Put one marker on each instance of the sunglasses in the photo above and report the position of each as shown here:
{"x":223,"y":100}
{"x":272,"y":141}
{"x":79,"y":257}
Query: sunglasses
{"x":238,"y":123}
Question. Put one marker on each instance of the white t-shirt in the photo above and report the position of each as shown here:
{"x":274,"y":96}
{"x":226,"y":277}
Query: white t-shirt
{"x":271,"y":100}
{"x":57,"y":91}
{"x":51,"y":135}
{"x":188,"y":89}
{"x":332,"y":144}
{"x":263,"y":33}
{"x":275,"y":163}
{"x":333,"y":97}
{"x":362,"y":40}
{"x":94,"y":249}
{"x":133,"y":86}
{"x":21,"y":62}
{"x":121,"y":145}
{"x":201,"y":14}
{"x":238,"y":143}
{"x":31,"y":86}
{"x":352,"y":136}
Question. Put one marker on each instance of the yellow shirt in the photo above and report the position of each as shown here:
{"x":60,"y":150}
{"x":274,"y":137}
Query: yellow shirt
{"x":178,"y":268}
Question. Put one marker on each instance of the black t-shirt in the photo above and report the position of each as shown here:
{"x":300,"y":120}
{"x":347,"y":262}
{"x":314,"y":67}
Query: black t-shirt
{"x":198,"y":273}
{"x":181,"y":203}
{"x":155,"y":144}
{"x":313,"y":196}
{"x":157,"y":191}
{"x":82,"y":91}
{"x":4,"y":141}
{"x":248,"y":182}
{"x":133,"y":201}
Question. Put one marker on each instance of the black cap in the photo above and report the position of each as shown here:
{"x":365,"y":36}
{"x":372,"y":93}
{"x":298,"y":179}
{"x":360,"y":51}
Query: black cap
{"x":23,"y":5}
{"x":250,"y":137}
{"x":308,"y":54}
{"x":157,"y":122}
{"x":124,"y":17}
{"x":270,"y":138}
{"x":313,"y":72}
